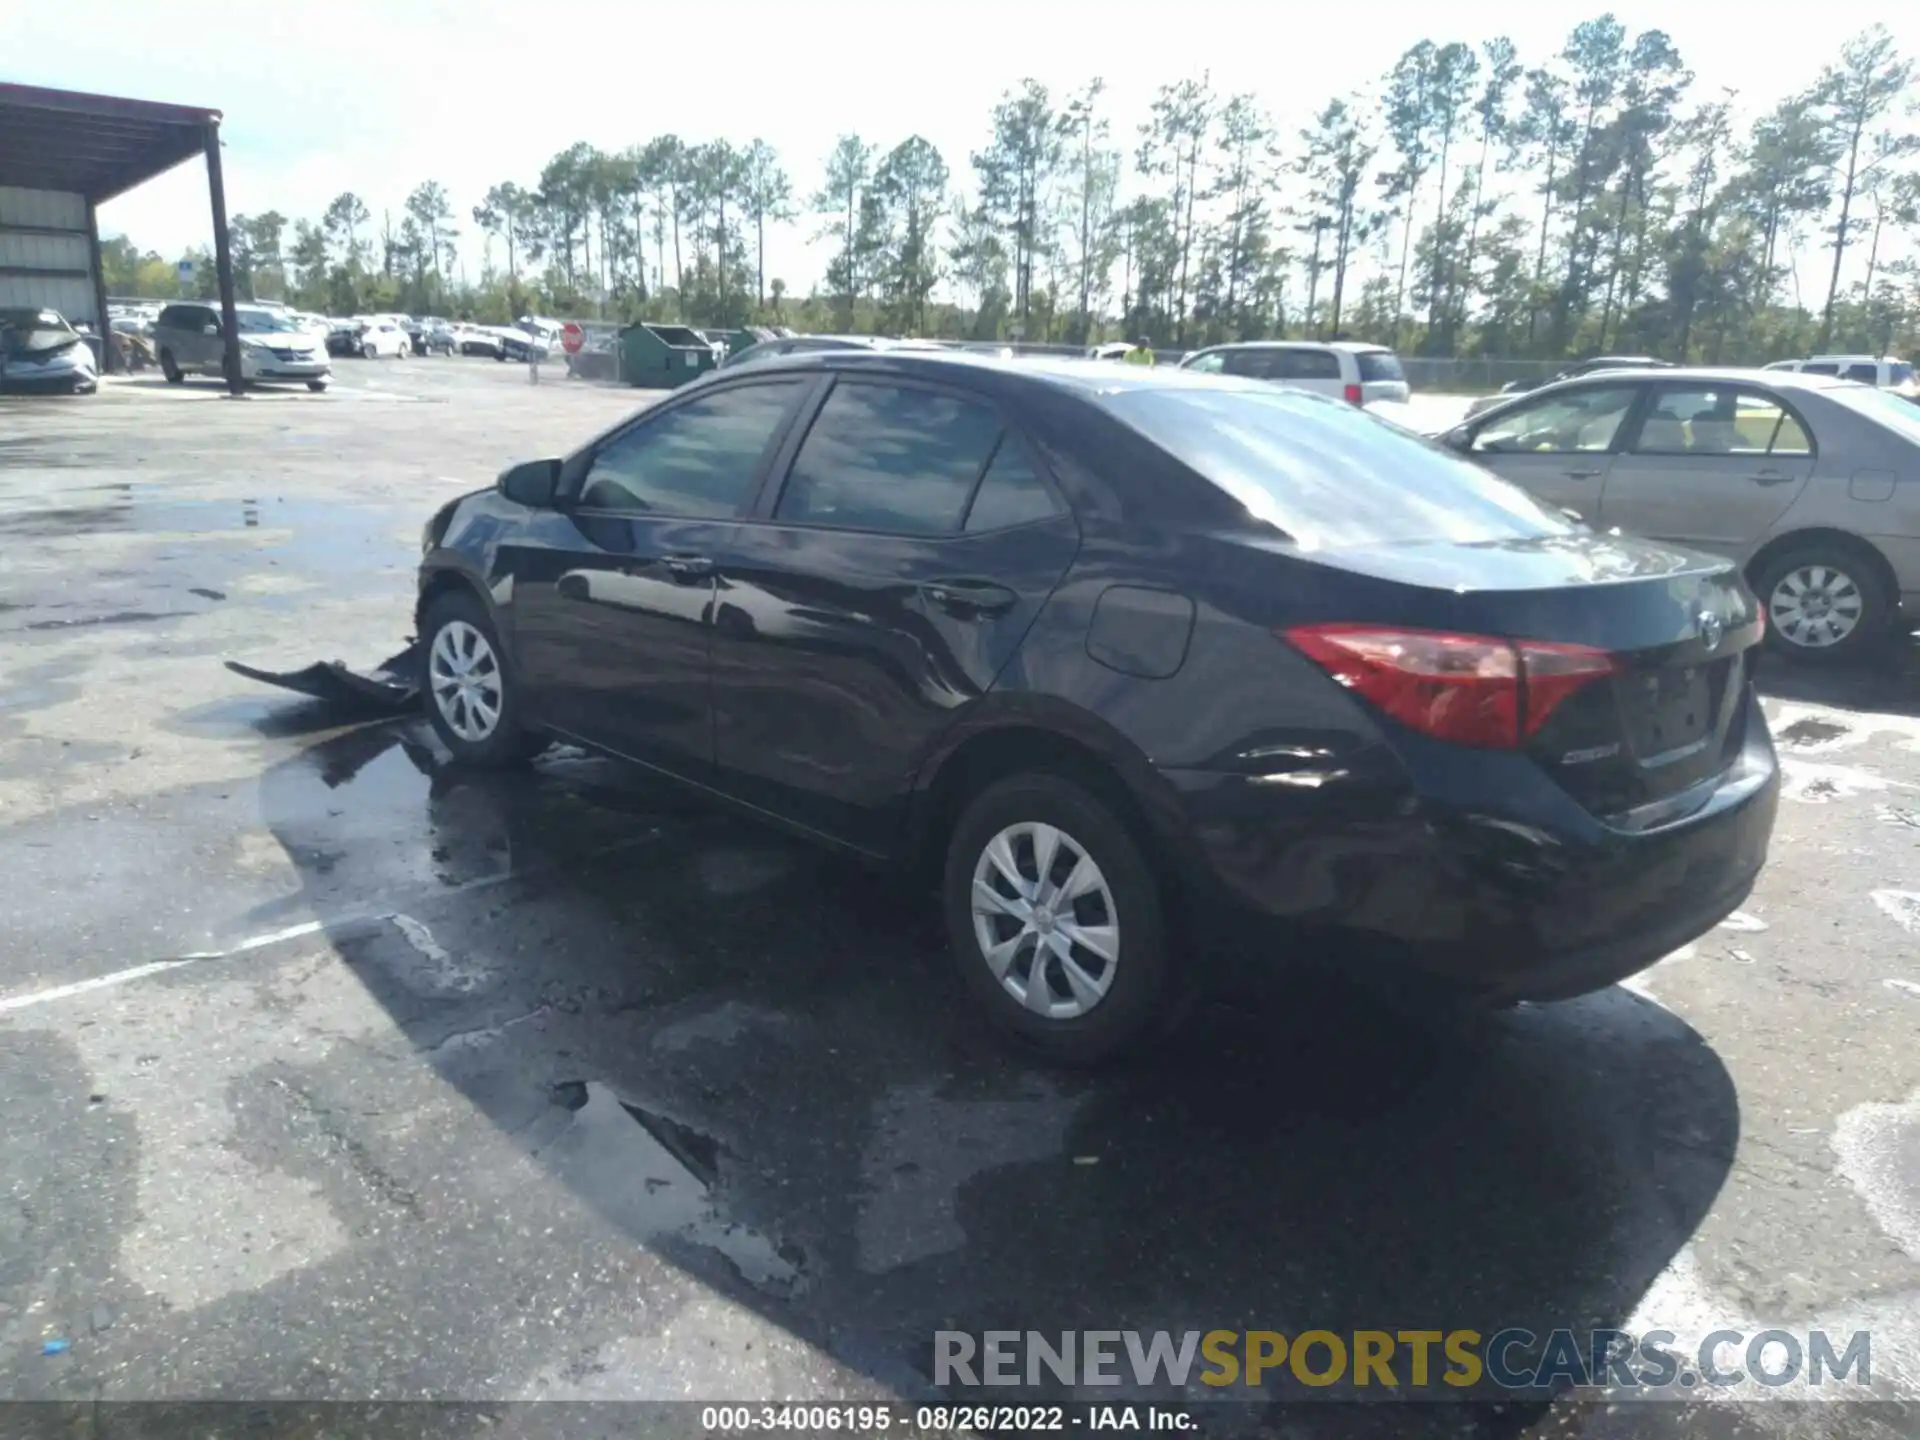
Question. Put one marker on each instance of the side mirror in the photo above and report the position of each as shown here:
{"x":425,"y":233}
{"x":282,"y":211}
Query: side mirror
{"x":532,"y":483}
{"x":210,"y":330}
{"x":1459,"y":438}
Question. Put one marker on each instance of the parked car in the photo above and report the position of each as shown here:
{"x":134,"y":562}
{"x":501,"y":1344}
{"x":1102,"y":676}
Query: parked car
{"x":816,"y":344}
{"x":1359,"y":374}
{"x":1100,"y":649}
{"x":189,"y":340}
{"x":437,"y":337}
{"x":476,"y":340}
{"x":343,"y":338}
{"x":521,"y":346}
{"x":1880,"y":371}
{"x":380,"y":335}
{"x":40,"y":352}
{"x":1572,"y":372}
{"x":1812,"y":484}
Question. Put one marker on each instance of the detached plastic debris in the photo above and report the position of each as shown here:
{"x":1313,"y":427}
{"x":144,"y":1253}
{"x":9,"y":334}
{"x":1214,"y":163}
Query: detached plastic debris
{"x":392,"y":686}
{"x":55,"y":1347}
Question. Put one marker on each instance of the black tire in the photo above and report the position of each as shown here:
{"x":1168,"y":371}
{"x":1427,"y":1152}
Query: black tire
{"x":170,"y":368}
{"x":1132,"y":1007}
{"x":316,"y":386}
{"x":1877,"y":605}
{"x":508,"y":743}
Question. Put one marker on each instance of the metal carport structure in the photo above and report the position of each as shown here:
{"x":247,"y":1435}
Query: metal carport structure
{"x":63,"y":154}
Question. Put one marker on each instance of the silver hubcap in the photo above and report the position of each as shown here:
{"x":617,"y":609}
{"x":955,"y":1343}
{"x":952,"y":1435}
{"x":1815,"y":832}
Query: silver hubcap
{"x":466,"y":681}
{"x":1045,"y":920}
{"x":1816,"y":606}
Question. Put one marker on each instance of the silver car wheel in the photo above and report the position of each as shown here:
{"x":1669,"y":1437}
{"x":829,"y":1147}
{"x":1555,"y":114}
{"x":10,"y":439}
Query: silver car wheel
{"x":1045,"y":920}
{"x":465,"y":677}
{"x":1816,"y":606}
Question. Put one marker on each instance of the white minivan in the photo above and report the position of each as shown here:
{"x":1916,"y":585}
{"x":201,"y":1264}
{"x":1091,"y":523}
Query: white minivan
{"x":1347,"y":370}
{"x":1883,"y":372}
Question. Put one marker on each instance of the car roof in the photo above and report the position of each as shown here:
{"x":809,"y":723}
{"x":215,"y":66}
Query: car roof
{"x":1074,"y":374}
{"x":1719,"y":374}
{"x":1351,"y":347}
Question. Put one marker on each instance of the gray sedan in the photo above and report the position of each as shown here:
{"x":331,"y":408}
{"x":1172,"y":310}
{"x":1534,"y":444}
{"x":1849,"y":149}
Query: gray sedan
{"x":1812,"y":483}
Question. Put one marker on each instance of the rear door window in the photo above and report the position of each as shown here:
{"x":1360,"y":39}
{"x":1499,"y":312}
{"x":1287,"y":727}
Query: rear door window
{"x":890,"y":458}
{"x":1820,"y":367}
{"x":1315,"y":365}
{"x":1011,"y":492}
{"x":1865,"y":374}
{"x":1709,"y":420}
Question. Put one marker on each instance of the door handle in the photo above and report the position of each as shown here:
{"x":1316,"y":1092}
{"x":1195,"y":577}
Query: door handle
{"x":969,"y":597}
{"x":1771,"y":477}
{"x":1582,"y":474}
{"x":688,"y":567}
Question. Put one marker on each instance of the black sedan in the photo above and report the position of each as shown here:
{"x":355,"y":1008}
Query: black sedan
{"x":1101,"y":652}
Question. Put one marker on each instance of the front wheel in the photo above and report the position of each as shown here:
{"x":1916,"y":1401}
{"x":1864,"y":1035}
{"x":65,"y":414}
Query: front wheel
{"x":1825,"y":604}
{"x":1055,"y":919}
{"x":470,"y":694}
{"x":316,"y":386}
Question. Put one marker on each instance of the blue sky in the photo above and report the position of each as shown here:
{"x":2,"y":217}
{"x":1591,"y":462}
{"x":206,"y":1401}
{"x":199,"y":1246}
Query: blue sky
{"x":376,"y":95}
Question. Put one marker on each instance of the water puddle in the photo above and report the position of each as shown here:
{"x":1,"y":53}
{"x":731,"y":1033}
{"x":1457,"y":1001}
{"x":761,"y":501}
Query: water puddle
{"x":656,"y":1179}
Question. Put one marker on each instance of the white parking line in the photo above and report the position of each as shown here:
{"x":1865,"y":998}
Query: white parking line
{"x":12,"y":1003}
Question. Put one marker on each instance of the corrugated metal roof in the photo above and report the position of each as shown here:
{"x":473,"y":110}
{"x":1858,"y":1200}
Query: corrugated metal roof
{"x":93,"y":145}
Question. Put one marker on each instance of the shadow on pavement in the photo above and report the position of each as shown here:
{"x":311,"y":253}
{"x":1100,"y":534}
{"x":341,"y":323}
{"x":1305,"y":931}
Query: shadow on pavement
{"x":751,"y":1058}
{"x":1887,"y":684}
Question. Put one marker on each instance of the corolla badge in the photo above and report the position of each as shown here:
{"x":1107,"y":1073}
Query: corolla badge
{"x":1711,"y":629}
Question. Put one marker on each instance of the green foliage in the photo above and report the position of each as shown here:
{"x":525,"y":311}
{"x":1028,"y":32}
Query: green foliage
{"x":1469,"y":204}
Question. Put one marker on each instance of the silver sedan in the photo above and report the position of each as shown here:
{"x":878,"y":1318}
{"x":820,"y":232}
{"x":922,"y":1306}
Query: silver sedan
{"x":1812,"y":483}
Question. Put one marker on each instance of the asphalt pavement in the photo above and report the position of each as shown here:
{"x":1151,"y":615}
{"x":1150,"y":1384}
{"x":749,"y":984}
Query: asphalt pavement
{"x":327,"y":1073}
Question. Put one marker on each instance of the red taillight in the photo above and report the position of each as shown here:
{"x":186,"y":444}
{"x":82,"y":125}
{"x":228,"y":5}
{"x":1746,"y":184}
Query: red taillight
{"x":1351,"y":394}
{"x":1476,"y":690}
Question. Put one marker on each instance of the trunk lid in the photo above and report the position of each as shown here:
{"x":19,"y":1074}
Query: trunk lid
{"x":1681,"y":627}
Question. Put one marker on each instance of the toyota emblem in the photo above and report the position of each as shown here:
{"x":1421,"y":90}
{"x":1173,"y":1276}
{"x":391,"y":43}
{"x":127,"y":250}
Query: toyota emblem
{"x":1711,"y":629}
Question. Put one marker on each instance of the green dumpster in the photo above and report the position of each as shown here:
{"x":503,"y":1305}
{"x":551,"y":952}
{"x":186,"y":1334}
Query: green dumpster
{"x":660,"y":357}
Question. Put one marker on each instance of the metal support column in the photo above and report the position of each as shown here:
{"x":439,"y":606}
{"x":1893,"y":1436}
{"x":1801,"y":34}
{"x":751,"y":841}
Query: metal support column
{"x":223,"y":263}
{"x":101,"y":324}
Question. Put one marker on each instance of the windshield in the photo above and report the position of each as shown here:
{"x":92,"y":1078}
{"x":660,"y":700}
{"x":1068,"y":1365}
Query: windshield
{"x":264,"y":322}
{"x":1896,"y":412}
{"x":1327,"y":473}
{"x":1898,"y":372}
{"x":1380,"y":365}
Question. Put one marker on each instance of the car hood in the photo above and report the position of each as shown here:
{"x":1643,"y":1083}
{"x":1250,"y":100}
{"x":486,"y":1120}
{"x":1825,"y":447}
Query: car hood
{"x":36,"y":345}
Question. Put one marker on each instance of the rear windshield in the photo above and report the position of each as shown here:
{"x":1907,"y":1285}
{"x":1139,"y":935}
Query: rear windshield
{"x":1380,"y":365}
{"x":1327,"y":473}
{"x":1894,"y":411}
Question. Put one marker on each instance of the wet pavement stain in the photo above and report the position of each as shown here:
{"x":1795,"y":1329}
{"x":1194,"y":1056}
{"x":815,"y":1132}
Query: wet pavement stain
{"x":1810,"y":731}
{"x":658,"y":1180}
{"x":119,"y":617}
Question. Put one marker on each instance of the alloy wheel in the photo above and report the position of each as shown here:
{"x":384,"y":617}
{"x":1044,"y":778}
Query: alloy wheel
{"x":1815,"y":606}
{"x":1045,"y":920}
{"x":465,"y":677}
